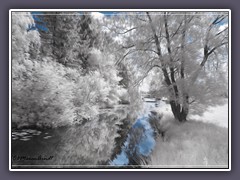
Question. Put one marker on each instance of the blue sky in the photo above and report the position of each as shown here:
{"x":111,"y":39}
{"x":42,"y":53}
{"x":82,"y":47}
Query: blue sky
{"x":41,"y":25}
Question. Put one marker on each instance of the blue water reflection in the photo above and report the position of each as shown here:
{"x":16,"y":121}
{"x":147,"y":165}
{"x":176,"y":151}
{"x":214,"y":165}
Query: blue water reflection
{"x":144,"y":146}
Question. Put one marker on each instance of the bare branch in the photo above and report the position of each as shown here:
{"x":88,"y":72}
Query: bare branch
{"x":157,"y":43}
{"x":172,"y":72}
{"x":146,"y":49}
{"x":124,"y":56}
{"x":141,"y":19}
{"x":155,"y":37}
{"x":121,"y":33}
{"x":208,"y":52}
{"x":192,"y":101}
{"x":213,"y":49}
{"x":173,"y":34}
{"x":219,"y":19}
{"x":129,"y":30}
{"x":127,"y":47}
{"x":221,"y":31}
{"x":183,"y":49}
{"x":146,"y":74}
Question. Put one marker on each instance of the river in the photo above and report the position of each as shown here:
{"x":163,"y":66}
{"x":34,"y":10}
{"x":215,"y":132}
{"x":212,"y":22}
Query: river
{"x":67,"y":148}
{"x":140,"y":141}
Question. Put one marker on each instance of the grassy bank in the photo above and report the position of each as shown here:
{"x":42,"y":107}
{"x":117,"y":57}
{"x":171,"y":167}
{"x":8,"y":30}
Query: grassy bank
{"x":191,"y":145}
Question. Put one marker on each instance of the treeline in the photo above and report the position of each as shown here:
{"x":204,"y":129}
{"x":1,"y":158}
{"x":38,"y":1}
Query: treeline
{"x":63,"y":70}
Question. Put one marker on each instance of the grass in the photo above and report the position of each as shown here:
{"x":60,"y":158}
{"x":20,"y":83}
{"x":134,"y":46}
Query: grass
{"x":192,"y":144}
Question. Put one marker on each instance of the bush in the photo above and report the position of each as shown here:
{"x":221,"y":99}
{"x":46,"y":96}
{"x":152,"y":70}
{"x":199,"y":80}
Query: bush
{"x":43,"y":99}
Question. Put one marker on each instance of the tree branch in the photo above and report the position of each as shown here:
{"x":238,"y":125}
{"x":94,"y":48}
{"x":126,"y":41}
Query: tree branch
{"x":172,"y":73}
{"x":146,"y":74}
{"x":127,"y":30}
{"x":213,"y":49}
{"x":177,"y":29}
{"x":158,"y":47}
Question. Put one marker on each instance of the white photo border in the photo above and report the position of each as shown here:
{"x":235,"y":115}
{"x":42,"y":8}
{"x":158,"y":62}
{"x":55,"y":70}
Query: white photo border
{"x":123,"y":169}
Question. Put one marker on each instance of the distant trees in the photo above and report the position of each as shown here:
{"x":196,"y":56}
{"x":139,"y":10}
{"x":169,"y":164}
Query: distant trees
{"x":188,"y":49}
{"x":67,"y":37}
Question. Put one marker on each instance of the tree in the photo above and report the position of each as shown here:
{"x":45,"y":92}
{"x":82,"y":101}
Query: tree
{"x":67,"y":38}
{"x":25,"y":46}
{"x":190,"y":50}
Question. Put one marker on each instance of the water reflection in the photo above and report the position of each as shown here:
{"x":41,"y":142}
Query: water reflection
{"x":88,"y":144}
{"x":140,"y":141}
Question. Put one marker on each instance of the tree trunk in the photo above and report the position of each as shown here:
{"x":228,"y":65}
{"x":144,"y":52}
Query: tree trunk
{"x":180,"y":112}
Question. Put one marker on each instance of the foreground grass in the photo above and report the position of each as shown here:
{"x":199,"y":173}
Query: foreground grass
{"x":192,"y":145}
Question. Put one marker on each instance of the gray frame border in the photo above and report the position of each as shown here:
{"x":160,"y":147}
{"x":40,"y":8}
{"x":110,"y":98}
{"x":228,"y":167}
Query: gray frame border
{"x":170,"y":4}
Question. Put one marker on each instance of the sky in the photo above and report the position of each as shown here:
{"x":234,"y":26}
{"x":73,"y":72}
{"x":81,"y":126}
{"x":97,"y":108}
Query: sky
{"x":42,"y":25}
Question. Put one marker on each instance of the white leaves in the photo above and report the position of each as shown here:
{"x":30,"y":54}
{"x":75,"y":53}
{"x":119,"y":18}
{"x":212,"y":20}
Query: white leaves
{"x":21,"y":38}
{"x":95,"y":58}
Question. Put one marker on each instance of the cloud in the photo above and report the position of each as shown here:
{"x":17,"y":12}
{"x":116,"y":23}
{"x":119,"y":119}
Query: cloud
{"x":97,"y":15}
{"x":222,"y":27}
